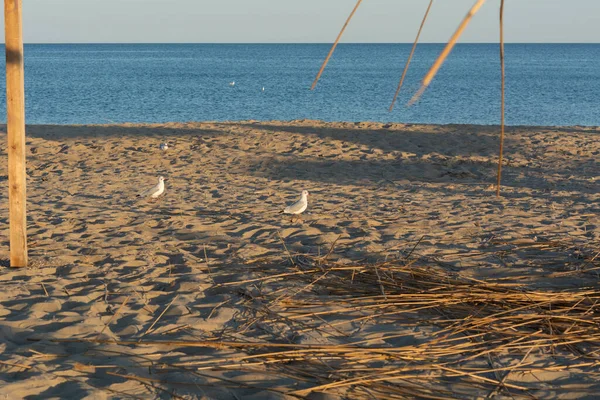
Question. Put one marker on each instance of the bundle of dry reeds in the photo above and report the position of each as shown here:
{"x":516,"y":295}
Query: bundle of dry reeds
{"x":397,"y":329}
{"x":480,"y":333}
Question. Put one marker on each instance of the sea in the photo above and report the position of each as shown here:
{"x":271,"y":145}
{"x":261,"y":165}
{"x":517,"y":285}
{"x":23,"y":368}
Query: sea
{"x":546,"y":84}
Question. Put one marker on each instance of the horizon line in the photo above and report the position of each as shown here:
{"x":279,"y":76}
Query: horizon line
{"x":293,"y":43}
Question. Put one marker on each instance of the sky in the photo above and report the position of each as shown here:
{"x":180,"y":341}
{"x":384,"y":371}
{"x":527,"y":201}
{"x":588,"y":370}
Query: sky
{"x":302,"y":21}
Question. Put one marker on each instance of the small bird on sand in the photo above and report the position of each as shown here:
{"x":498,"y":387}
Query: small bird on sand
{"x":155,"y":191}
{"x":164,"y":146}
{"x":298,"y":207}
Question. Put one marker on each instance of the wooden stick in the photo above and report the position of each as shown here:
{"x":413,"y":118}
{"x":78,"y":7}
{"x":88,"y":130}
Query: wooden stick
{"x":410,"y":57}
{"x":334,"y":45}
{"x":15,"y":118}
{"x":442,"y":57}
{"x":501,"y":97}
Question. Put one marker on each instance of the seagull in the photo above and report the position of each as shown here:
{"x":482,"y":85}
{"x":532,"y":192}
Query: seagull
{"x":155,"y":191}
{"x":298,"y":207}
{"x":164,"y":146}
{"x":263,"y":89}
{"x":232,"y":83}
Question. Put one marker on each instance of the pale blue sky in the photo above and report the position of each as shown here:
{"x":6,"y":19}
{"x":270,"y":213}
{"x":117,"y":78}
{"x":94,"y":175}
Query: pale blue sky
{"x":293,"y":21}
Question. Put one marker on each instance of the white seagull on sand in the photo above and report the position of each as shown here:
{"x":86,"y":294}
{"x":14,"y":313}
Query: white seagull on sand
{"x":298,"y":207}
{"x":155,"y":191}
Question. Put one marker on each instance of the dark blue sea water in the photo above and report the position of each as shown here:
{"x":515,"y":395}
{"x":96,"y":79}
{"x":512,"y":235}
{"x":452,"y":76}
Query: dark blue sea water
{"x":547,"y":84}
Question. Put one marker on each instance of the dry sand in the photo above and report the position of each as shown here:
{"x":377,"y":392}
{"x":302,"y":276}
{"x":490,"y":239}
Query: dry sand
{"x":105,"y":264}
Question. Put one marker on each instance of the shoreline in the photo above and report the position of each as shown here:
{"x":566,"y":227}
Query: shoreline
{"x":312,"y":121}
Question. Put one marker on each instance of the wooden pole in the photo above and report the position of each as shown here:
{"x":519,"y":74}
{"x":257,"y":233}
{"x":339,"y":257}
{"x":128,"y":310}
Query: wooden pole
{"x":502,"y":89}
{"x":15,"y":125}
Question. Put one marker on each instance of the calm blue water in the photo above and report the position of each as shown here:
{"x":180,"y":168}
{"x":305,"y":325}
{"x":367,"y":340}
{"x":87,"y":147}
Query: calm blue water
{"x":547,"y":84}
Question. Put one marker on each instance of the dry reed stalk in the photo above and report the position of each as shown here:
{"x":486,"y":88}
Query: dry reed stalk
{"x":268,"y":278}
{"x":321,"y":260}
{"x":414,"y":247}
{"x":501,"y":98}
{"x":158,"y":318}
{"x":210,"y":344}
{"x":286,"y":249}
{"x":457,"y":373}
{"x":207,"y":265}
{"x":500,"y":385}
{"x":362,"y":381}
{"x":16,"y":365}
{"x":335,"y":45}
{"x":380,"y":284}
{"x":412,"y":52}
{"x":216,"y":307}
{"x":196,"y":384}
{"x":449,"y":46}
{"x":175,"y":329}
{"x":38,"y":354}
{"x":381,"y":314}
{"x":113,"y":316}
{"x":283,"y":298}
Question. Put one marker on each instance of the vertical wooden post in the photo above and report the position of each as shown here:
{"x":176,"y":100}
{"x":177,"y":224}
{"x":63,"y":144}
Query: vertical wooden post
{"x":15,"y":125}
{"x":502,"y":90}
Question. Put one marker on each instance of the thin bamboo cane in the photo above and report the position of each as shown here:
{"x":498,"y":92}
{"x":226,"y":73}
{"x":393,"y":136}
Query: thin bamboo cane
{"x":501,"y":97}
{"x":335,"y":45}
{"x":442,"y":57}
{"x":410,"y":57}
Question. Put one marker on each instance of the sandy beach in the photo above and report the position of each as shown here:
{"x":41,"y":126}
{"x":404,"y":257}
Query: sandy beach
{"x":113,"y":277}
